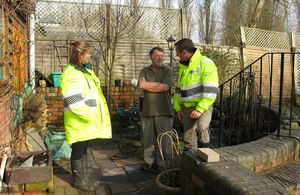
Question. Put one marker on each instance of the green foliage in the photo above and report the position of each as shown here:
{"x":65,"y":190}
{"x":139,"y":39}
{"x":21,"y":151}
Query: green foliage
{"x":227,"y":62}
{"x":171,"y":178}
{"x":217,"y":112}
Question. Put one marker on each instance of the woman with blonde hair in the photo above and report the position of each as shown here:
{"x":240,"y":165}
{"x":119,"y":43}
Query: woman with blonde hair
{"x":86,"y":114}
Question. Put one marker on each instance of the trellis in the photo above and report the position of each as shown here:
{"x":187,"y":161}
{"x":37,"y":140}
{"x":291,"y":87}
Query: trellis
{"x":266,"y":39}
{"x":65,"y":20}
{"x":58,"y":23}
{"x":297,"y":63}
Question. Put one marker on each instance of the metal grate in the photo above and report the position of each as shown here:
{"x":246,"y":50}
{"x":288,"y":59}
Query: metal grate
{"x":68,"y":19}
{"x":287,"y":175}
{"x":267,"y":39}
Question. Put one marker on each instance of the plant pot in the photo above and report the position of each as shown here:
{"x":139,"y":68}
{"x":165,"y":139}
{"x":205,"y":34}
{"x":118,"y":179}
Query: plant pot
{"x":163,"y":182}
{"x":118,"y":83}
{"x":126,"y":83}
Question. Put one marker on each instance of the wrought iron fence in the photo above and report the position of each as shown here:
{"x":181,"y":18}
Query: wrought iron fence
{"x":245,"y":107}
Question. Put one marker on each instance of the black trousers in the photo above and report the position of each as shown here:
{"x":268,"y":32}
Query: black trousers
{"x":79,"y":149}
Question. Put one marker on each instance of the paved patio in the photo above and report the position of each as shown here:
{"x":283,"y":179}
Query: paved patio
{"x":119,"y":171}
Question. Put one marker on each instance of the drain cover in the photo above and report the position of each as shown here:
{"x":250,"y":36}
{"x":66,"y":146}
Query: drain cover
{"x":102,"y":190}
{"x":99,"y":190}
{"x":287,"y":175}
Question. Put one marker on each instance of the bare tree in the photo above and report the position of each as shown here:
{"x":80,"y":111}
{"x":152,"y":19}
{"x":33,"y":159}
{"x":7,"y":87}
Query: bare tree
{"x":257,"y":12}
{"x":118,"y":23}
{"x":190,"y":15}
{"x":297,"y":10}
{"x":206,"y":22}
{"x":165,"y":3}
{"x":267,"y":15}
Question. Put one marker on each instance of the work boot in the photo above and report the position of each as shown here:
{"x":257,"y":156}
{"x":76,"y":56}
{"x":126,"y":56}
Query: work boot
{"x":203,"y":145}
{"x":81,"y":182}
{"x":85,"y":172}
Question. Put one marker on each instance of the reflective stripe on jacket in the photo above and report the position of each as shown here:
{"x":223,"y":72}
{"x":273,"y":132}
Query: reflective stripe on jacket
{"x":86,"y":114}
{"x":197,"y":84}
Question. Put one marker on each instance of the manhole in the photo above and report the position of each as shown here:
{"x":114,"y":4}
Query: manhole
{"x":287,"y":175}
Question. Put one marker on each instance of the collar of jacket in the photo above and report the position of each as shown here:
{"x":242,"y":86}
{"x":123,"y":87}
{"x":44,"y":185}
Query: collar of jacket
{"x":186,"y":63}
{"x":194,"y":57}
{"x":80,"y":69}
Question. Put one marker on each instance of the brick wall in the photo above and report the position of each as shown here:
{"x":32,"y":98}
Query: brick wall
{"x":241,"y":168}
{"x":123,"y":97}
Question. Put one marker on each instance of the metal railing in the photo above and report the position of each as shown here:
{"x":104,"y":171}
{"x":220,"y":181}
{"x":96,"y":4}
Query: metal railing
{"x":251,"y":103}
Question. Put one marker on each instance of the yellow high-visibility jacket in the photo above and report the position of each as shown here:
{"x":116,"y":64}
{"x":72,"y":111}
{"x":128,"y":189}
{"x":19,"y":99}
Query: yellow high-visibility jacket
{"x":86,"y":114}
{"x":197,"y":84}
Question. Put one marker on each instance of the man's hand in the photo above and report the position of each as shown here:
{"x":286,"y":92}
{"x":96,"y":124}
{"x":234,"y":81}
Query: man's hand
{"x":195,"y":114}
{"x":180,"y":115}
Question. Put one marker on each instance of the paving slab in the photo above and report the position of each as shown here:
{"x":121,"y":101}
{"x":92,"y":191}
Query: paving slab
{"x":62,"y":166}
{"x":123,"y":188}
{"x":137,"y":174}
{"x":147,"y":185}
{"x":109,"y":176}
{"x":104,"y":154}
{"x":105,"y":163}
{"x":72,"y":191}
{"x":90,"y":158}
{"x":93,"y":166}
{"x":59,"y":191}
{"x":121,"y":162}
{"x":95,"y":147}
{"x":62,"y":180}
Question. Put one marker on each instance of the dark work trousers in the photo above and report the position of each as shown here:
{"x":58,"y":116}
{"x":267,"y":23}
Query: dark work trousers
{"x":152,"y":127}
{"x":79,"y":149}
